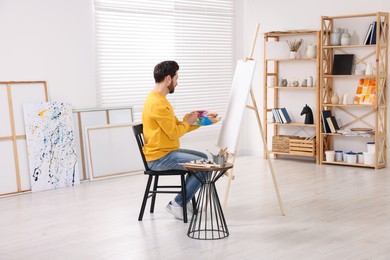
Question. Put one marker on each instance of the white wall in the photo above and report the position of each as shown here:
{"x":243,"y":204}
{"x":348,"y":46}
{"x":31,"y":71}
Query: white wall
{"x":278,"y":15}
{"x":50,"y":40}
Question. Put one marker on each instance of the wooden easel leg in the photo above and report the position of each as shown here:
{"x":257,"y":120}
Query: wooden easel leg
{"x":271,"y":167}
{"x":254,"y":107}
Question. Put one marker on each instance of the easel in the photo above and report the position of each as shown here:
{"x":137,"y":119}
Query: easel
{"x":254,"y":107}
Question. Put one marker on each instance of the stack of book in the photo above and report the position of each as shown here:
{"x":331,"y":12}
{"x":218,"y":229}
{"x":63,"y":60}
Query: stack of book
{"x":370,"y":35}
{"x":280,"y":115}
{"x":329,"y":122}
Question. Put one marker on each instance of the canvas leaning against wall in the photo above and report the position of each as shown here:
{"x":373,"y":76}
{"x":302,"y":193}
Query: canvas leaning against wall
{"x":50,"y":145}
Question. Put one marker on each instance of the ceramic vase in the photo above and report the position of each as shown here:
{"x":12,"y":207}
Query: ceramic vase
{"x":311,"y":51}
{"x":345,"y":38}
{"x":345,"y":99}
{"x":369,"y":70}
{"x":310,"y":81}
{"x":334,"y":99}
{"x":335,"y":37}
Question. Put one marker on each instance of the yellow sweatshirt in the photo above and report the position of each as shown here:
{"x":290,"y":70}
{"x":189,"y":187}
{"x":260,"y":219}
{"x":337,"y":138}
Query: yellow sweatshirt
{"x":162,"y":129}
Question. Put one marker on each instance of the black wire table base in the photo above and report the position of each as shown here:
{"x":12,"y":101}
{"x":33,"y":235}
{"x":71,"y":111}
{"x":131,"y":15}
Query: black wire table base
{"x":208,"y":221}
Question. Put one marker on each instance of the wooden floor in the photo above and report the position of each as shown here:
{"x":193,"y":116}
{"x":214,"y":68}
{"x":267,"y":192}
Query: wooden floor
{"x":332,"y":212}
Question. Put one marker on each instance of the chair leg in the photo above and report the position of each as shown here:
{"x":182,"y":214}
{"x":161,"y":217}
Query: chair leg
{"x":141,"y":213}
{"x":184,"y":194}
{"x":193,"y":204}
{"x":154,"y":194}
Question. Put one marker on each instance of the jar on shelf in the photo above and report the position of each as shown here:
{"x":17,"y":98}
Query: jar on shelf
{"x":335,"y":37}
{"x":334,"y":99}
{"x":311,"y":51}
{"x":346,"y":38}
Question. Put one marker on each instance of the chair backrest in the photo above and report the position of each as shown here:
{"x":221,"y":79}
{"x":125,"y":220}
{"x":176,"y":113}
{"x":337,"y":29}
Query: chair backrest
{"x":139,"y":137}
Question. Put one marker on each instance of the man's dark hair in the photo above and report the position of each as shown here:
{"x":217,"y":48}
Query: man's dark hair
{"x":165,"y":68}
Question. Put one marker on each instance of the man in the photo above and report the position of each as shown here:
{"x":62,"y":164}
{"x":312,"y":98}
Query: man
{"x":162,"y":131}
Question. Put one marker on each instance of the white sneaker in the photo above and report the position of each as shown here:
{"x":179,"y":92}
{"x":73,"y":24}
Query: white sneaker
{"x":190,"y":209}
{"x":178,"y":211}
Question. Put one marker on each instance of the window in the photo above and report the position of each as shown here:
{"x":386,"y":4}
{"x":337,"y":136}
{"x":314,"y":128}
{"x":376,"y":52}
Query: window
{"x":133,"y":36}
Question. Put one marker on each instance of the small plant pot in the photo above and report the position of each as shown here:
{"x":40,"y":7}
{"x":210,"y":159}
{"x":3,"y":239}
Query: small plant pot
{"x":293,"y":54}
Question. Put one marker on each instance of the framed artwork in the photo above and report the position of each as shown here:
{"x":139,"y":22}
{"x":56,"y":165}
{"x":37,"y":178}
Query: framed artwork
{"x":51,"y":146}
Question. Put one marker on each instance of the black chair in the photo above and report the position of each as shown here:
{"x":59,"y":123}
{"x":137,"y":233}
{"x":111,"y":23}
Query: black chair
{"x":151,"y":193}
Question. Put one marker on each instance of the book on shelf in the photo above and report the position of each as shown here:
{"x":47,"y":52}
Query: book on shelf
{"x":325,"y":114}
{"x":373,"y":34}
{"x":368,"y":35}
{"x":342,"y":64}
{"x":280,"y":115}
{"x":333,"y":126}
{"x":275,"y":115}
{"x":285,"y":114}
{"x":366,"y":92}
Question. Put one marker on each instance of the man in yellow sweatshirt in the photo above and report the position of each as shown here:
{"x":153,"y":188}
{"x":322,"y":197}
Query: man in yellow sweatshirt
{"x":162,"y":130}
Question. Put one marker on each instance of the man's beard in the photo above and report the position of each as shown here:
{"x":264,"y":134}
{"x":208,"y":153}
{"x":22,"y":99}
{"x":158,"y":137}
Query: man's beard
{"x":171,"y":88}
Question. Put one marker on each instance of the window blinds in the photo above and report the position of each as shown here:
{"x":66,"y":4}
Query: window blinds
{"x":133,"y":36}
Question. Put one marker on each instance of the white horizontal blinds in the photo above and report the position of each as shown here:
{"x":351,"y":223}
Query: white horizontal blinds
{"x":133,"y":36}
{"x":204,"y":50}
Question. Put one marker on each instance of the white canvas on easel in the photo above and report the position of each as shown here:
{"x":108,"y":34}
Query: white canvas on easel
{"x":230,"y":129}
{"x":228,"y":138}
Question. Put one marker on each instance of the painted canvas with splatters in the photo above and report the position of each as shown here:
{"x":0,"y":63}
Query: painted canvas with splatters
{"x":50,"y":145}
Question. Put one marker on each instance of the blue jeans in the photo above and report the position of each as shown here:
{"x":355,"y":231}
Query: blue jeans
{"x":171,"y":162}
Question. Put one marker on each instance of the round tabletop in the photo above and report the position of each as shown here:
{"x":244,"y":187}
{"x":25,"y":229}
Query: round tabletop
{"x":200,"y":167}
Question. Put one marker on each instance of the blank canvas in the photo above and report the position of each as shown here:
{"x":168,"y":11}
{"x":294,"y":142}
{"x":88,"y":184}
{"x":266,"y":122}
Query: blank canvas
{"x":242,"y":81}
{"x":113,"y":150}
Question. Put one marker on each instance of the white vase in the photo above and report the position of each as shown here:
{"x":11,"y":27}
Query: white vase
{"x":345,"y":38}
{"x":345,"y":99}
{"x":310,"y":81}
{"x":335,"y":37}
{"x":369,"y":69}
{"x":311,"y":51}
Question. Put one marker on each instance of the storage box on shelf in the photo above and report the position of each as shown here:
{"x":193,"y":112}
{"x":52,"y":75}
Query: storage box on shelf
{"x":355,"y":109}
{"x":291,"y":77}
{"x":293,"y":145}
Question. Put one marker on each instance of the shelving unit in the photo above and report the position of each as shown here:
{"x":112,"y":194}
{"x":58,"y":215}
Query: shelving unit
{"x":355,"y":115}
{"x":273,"y":72}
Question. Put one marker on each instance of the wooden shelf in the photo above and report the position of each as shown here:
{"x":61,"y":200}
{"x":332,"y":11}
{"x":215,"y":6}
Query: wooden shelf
{"x":290,"y":33}
{"x":348,"y":46}
{"x":274,"y":96}
{"x":346,"y":105}
{"x":374,"y":115}
{"x":292,"y":124}
{"x":294,"y":88}
{"x":350,"y":16}
{"x":337,"y":134}
{"x":290,"y":60}
{"x":280,"y":153}
{"x":350,"y":164}
{"x":348,"y":76}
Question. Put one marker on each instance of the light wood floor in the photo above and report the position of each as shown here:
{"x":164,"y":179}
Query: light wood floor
{"x":332,"y":212}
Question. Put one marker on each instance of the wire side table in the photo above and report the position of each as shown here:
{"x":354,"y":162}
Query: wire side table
{"x":208,"y":221}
